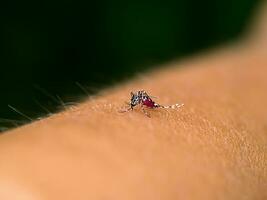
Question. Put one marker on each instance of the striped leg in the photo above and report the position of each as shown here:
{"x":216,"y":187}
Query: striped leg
{"x":174,"y":106}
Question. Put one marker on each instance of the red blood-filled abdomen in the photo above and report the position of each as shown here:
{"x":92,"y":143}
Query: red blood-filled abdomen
{"x":149,"y":103}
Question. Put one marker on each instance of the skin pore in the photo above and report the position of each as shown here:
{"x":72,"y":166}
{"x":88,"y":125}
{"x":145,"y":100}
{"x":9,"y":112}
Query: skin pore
{"x":214,"y":147}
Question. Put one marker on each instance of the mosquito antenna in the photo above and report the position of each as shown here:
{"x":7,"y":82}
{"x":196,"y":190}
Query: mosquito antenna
{"x":22,"y":114}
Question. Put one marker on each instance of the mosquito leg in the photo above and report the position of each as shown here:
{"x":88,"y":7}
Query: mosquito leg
{"x":145,"y":111}
{"x":125,"y":110}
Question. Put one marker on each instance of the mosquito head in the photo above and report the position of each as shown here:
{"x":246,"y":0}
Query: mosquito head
{"x":135,"y":99}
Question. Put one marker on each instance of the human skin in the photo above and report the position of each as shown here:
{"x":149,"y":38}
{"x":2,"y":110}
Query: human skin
{"x":215,"y":147}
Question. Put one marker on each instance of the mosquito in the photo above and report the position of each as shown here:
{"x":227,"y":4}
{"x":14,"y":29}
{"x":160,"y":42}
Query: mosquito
{"x":144,"y":100}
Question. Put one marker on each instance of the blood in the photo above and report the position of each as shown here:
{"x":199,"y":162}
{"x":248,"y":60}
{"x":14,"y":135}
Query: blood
{"x":149,"y":103}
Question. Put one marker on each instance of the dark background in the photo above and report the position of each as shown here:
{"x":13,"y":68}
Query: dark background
{"x":48,"y":46}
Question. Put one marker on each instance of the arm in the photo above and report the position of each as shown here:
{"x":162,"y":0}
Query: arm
{"x":213,"y":147}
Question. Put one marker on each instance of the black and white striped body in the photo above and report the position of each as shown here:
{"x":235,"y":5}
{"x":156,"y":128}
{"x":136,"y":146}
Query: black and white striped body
{"x":141,"y":97}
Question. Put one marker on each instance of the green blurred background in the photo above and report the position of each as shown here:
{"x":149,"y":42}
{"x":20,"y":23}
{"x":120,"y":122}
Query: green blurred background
{"x":48,"y":46}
